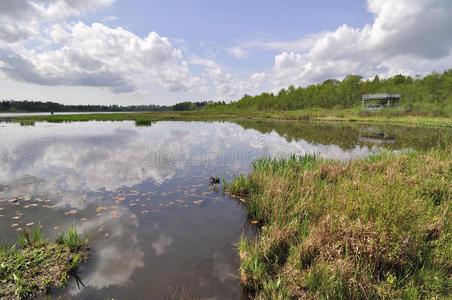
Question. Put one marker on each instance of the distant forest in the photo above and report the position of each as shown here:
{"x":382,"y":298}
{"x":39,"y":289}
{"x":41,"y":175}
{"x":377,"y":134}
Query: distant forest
{"x":38,"y":106}
{"x":429,"y":94}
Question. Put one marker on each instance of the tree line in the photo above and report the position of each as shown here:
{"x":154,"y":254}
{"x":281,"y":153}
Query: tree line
{"x":430,"y":94}
{"x":39,"y":106}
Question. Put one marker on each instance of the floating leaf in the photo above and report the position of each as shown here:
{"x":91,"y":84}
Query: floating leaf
{"x":254,"y":222}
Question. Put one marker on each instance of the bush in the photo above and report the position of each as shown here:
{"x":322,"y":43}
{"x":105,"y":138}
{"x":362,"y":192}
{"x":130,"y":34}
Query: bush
{"x":427,"y":108}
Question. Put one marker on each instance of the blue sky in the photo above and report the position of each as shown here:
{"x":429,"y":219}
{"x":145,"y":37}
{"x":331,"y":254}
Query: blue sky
{"x":210,"y":27}
{"x":163,"y":52}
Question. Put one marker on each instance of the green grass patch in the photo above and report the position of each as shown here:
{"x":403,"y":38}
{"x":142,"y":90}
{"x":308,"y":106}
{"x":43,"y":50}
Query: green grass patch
{"x":27,"y":123}
{"x":34,"y":265}
{"x":143,"y":122}
{"x":379,"y":227}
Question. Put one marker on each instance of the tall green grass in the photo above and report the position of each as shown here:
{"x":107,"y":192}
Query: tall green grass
{"x":372,"y":228}
{"x":71,"y":239}
{"x":31,"y":237}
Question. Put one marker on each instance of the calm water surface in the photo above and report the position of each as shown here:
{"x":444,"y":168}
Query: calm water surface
{"x":142,"y":194}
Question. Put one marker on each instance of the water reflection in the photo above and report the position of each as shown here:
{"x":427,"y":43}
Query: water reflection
{"x":347,"y":135}
{"x":117,"y":252}
{"x":374,"y":136}
{"x":142,"y":193}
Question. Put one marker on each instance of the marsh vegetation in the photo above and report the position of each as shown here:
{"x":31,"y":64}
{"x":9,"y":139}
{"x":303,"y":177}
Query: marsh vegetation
{"x":34,"y":265}
{"x":372,"y":228}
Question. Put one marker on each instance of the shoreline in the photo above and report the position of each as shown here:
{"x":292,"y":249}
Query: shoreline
{"x":305,"y":115}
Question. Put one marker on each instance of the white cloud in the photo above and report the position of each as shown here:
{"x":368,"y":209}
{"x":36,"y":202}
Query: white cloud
{"x":61,"y":9}
{"x":77,"y":54}
{"x":196,"y":60}
{"x":227,"y":86}
{"x":408,"y":36}
{"x":21,"y":20}
{"x":101,"y":56}
{"x":238,"y":52}
{"x":299,"y":45}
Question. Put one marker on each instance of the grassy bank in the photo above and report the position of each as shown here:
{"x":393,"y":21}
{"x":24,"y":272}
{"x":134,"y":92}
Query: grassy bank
{"x":373,"y":228}
{"x":34,"y":265}
{"x":323,"y":115}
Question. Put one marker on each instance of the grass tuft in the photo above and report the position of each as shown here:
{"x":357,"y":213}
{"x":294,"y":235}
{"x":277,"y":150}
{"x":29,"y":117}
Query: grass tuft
{"x":72,"y":239}
{"x":38,"y":265}
{"x":31,"y":238}
{"x":143,"y":122}
{"x":27,"y":123}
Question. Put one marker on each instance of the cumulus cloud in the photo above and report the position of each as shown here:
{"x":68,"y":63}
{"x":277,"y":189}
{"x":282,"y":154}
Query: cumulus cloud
{"x":21,"y":20}
{"x":408,"y":36}
{"x":100,"y":56}
{"x":77,"y":54}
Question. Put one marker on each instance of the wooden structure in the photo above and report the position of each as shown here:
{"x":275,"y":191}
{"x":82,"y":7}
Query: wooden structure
{"x":375,"y":102}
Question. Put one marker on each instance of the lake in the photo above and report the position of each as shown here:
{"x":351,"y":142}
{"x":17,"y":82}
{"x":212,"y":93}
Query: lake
{"x":156,"y":227}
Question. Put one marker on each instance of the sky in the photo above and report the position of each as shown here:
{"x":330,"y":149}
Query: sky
{"x":162,"y":52}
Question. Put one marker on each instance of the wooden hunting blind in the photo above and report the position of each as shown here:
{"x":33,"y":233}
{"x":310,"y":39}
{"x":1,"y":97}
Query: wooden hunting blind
{"x":374,"y":102}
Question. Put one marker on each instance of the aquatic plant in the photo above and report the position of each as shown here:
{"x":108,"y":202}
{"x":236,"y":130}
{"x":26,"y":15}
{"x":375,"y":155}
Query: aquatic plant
{"x":143,"y":122}
{"x":27,"y":123}
{"x":373,"y":228}
{"x":30,"y":237}
{"x":37,"y":266}
{"x":71,"y":239}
